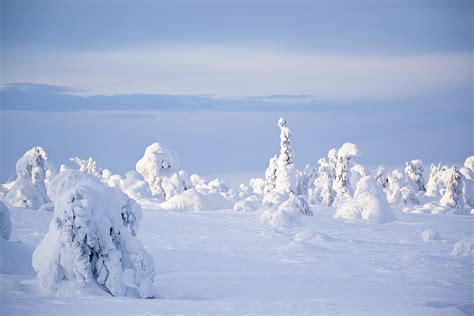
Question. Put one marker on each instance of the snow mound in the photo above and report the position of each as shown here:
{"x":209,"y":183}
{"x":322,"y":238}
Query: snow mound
{"x":15,"y":258}
{"x":91,"y":238}
{"x":369,"y":203}
{"x":245,"y":206}
{"x":29,"y":189}
{"x":464,"y":247}
{"x":287,"y":213}
{"x":430,"y":234}
{"x":135,"y":186}
{"x":312,"y":237}
{"x":192,"y":200}
{"x":5,"y":222}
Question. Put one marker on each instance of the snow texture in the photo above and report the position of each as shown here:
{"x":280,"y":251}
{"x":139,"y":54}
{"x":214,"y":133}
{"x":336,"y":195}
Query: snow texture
{"x":464,"y":247}
{"x":430,"y":234}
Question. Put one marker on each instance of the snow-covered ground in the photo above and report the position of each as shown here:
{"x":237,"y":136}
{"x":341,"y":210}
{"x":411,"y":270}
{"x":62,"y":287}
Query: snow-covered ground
{"x":227,"y":262}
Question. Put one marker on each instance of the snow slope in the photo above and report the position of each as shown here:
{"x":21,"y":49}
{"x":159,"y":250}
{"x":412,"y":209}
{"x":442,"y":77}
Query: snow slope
{"x":227,"y":262}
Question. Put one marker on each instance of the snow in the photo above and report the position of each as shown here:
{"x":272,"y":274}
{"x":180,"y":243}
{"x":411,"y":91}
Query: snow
{"x":5,"y":222}
{"x":193,"y":200}
{"x":227,"y":262}
{"x":430,"y":234}
{"x":464,"y":247}
{"x":369,"y":203}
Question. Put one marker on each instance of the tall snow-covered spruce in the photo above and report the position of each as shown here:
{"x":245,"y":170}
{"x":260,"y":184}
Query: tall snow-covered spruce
{"x":285,"y":204}
{"x":91,"y":238}
{"x":29,"y":189}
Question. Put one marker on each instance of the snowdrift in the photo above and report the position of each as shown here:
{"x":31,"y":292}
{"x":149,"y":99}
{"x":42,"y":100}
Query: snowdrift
{"x":192,"y":200}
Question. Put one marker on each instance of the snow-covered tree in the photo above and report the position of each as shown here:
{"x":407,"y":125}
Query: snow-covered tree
{"x":29,"y":189}
{"x":397,"y":192}
{"x":345,"y":155}
{"x":369,"y":203}
{"x":453,"y":196}
{"x":133,"y":185}
{"x":469,"y":163}
{"x":323,"y":192}
{"x":381,"y":176}
{"x":91,"y":238}
{"x":258,"y":186}
{"x":414,"y":171}
{"x":305,"y":180}
{"x":433,"y":186}
{"x":270,"y":175}
{"x":285,"y":173}
{"x":158,"y":163}
{"x":5,"y":222}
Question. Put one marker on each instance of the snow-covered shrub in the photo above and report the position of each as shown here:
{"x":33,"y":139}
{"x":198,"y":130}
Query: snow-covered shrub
{"x":414,"y":171}
{"x":345,"y":155}
{"x":270,"y":175}
{"x":157,"y":163}
{"x":218,"y":186}
{"x":381,"y":176}
{"x":397,"y":192}
{"x":5,"y":222}
{"x":430,"y":234}
{"x":193,"y":200}
{"x":468,"y":186}
{"x":198,"y":183}
{"x":287,"y":213}
{"x":244,"y":191}
{"x":273,"y":198}
{"x":175,"y":184}
{"x":257,"y":185}
{"x":245,"y":206}
{"x":29,"y":189}
{"x":91,"y":238}
{"x":453,"y":197}
{"x":135,"y":186}
{"x":464,"y":247}
{"x":369,"y":203}
{"x":469,"y":163}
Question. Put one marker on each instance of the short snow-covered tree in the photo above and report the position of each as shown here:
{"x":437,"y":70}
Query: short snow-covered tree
{"x":5,"y":222}
{"x":453,"y":196}
{"x":91,"y":238}
{"x":29,"y":189}
{"x":369,"y":203}
{"x":414,"y":171}
{"x":345,"y":155}
{"x":381,"y":176}
{"x":305,"y":180}
{"x":258,"y":186}
{"x":433,"y":186}
{"x":323,"y":192}
{"x":270,"y":175}
{"x":158,"y":163}
{"x":469,"y":163}
{"x":397,"y":192}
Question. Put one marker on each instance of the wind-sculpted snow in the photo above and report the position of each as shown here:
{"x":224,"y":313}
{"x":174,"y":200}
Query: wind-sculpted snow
{"x":91,"y":238}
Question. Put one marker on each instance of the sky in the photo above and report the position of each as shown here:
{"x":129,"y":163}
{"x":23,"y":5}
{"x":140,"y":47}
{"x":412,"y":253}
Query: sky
{"x":335,"y":50}
{"x":209,"y":79}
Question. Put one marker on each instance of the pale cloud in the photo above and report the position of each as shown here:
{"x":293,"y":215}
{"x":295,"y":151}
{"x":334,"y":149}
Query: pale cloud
{"x":237,"y":71}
